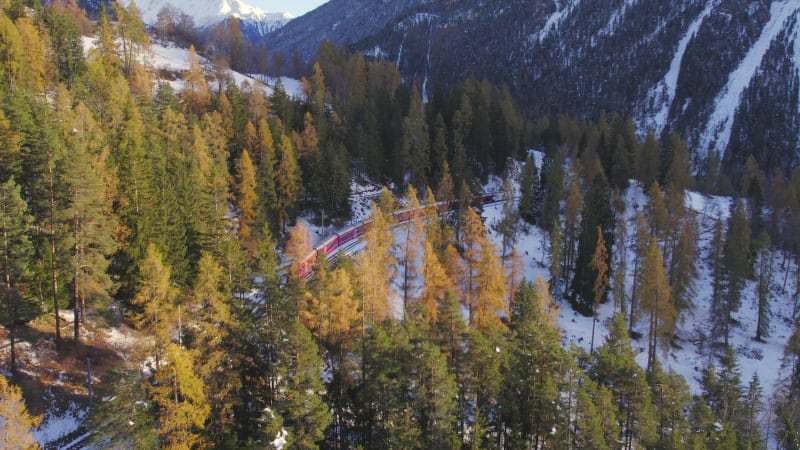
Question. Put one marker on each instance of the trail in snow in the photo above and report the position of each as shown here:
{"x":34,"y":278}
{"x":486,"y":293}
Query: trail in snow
{"x":717,"y":134}
{"x":554,"y":21}
{"x":616,"y":18}
{"x":664,"y":91}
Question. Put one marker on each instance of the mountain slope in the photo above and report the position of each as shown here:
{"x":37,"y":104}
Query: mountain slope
{"x":723,"y":73}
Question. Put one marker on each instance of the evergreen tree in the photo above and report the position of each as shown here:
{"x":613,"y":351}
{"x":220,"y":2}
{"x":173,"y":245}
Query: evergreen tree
{"x":764,"y":269}
{"x":656,"y":300}
{"x":287,"y":179}
{"x":376,"y":264}
{"x":719,"y":323}
{"x":247,"y":199}
{"x":306,"y":415}
{"x":529,"y":191}
{"x":617,"y":369}
{"x":123,"y":416}
{"x":599,"y":264}
{"x":737,"y":262}
{"x":195,"y":91}
{"x":155,"y":302}
{"x":91,"y":225}
{"x":532,"y":383}
{"x":596,"y":212}
{"x":410,"y":252}
{"x":17,"y":250}
{"x":507,"y":227}
{"x":416,"y":141}
{"x":649,"y":160}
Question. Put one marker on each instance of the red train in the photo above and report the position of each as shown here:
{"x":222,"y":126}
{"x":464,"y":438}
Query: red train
{"x":332,"y":243}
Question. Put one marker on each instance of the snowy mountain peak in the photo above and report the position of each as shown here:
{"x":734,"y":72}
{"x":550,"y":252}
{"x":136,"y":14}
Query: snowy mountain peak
{"x":210,"y":12}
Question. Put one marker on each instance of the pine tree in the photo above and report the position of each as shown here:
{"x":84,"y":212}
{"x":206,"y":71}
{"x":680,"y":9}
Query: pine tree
{"x":17,"y":250}
{"x":434,"y":394}
{"x":247,"y":199}
{"x":410,"y":252}
{"x":599,"y":264}
{"x":490,"y":290}
{"x":764,"y":270}
{"x":507,"y":227}
{"x":528,"y":190}
{"x":17,"y":421}
{"x":649,"y":160}
{"x":719,"y":323}
{"x":195,"y":91}
{"x":287,"y":181}
{"x":91,"y":225}
{"x":596,"y":212}
{"x":306,"y":415}
{"x":435,"y":285}
{"x":557,"y":251}
{"x":655,"y":299}
{"x":155,"y":300}
{"x":210,"y":319}
{"x":416,"y":141}
{"x":737,"y":262}
{"x":617,"y":369}
{"x":376,"y":264}
{"x":180,"y":393}
{"x":298,"y":248}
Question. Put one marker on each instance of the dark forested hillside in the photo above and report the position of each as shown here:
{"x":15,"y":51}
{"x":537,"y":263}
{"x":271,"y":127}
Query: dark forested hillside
{"x":712,"y":70}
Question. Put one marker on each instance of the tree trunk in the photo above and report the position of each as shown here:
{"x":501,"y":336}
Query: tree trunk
{"x":53,"y":272}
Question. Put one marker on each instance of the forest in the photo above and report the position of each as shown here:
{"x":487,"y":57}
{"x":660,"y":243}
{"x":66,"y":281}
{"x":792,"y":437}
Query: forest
{"x":124,"y":202}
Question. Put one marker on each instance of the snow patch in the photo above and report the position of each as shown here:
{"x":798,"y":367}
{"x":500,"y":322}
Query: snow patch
{"x":718,"y":129}
{"x":554,"y":20}
{"x":663,"y":93}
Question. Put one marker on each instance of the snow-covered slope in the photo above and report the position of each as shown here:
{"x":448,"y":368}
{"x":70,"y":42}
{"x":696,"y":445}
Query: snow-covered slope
{"x":210,"y":12}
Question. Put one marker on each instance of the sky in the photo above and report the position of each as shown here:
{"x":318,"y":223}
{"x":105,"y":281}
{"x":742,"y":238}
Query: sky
{"x":296,"y":7}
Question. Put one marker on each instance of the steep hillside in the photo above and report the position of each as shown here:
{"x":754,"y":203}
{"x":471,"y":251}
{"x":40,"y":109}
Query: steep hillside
{"x":723,"y":73}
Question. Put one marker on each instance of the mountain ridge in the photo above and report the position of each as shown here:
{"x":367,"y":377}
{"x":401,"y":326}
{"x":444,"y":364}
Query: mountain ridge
{"x":722,"y":73}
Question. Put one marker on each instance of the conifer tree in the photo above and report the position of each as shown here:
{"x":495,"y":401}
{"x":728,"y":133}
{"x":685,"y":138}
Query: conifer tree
{"x":617,"y":369}
{"x":596,"y":212}
{"x":195,"y":91}
{"x":764,"y":270}
{"x":507,"y":227}
{"x":155,"y":300}
{"x":571,"y":229}
{"x":528,"y":190}
{"x":649,"y":160}
{"x":599,"y":264}
{"x":180,"y":393}
{"x":490,"y":290}
{"x":737,"y":262}
{"x":17,"y":421}
{"x":287,"y":180}
{"x":306,"y":415}
{"x":435,"y":285}
{"x":247,"y":199}
{"x":557,"y":250}
{"x":655,"y":299}
{"x":376,"y":265}
{"x":416,"y":141}
{"x":683,"y":265}
{"x":435,"y":393}
{"x":410,"y":252}
{"x":719,"y":324}
{"x":210,"y":319}
{"x":16,"y":250}
{"x":88,"y":217}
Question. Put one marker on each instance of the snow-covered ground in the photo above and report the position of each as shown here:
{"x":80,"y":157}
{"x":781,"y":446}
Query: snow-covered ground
{"x":166,"y":58}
